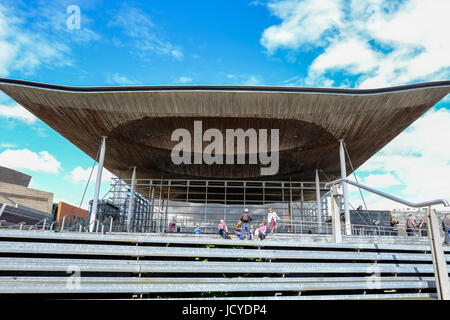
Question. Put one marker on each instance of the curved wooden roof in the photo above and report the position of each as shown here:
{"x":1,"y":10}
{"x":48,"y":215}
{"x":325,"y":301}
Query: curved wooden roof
{"x":139,"y":121}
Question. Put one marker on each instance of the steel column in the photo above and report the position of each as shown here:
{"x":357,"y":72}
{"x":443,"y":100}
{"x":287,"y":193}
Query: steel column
{"x":131,"y":201}
{"x":319,"y":211}
{"x":335,"y":216}
{"x":97,"y":185}
{"x":290,"y":205}
{"x":344,"y":187}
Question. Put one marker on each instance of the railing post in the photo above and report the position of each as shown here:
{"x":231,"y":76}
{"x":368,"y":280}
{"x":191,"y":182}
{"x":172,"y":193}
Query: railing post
{"x":437,"y":254}
{"x":111,"y":224}
{"x":335,"y":218}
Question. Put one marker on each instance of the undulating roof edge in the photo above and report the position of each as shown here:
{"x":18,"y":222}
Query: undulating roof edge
{"x":422,"y":85}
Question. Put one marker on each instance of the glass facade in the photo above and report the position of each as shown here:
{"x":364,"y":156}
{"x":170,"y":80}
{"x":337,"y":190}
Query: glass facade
{"x":166,"y":205}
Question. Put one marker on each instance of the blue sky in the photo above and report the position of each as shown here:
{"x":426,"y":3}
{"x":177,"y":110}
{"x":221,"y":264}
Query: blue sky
{"x":353,"y":44}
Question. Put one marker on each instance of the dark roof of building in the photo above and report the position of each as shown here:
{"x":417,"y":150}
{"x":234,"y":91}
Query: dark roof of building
{"x":14,"y":177}
{"x":139,"y":121}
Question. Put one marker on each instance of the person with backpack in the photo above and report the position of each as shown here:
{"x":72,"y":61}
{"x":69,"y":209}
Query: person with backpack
{"x":246,"y":218}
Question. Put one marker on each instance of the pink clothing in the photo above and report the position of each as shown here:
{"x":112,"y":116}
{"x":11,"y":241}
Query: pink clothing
{"x":221,"y":226}
{"x":263,"y":229}
{"x":272,"y":223}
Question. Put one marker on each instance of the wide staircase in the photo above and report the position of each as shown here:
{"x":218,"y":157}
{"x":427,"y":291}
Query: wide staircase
{"x":44,"y":264}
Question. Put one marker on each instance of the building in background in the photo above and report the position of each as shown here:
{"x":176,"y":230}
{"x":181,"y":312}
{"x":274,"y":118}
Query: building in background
{"x":322,"y":134}
{"x":14,"y":190}
{"x":70,"y":215}
{"x":11,"y":176}
{"x":21,"y":204}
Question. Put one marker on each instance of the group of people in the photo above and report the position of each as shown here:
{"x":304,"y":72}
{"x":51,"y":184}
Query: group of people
{"x":243,"y":228}
{"x":412,"y":227}
{"x":420,"y":228}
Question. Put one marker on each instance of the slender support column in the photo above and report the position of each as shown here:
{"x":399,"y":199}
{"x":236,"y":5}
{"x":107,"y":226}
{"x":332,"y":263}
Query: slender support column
{"x":147,"y":217}
{"x":302,"y":199}
{"x":319,"y":208}
{"x":111,"y":219}
{"x":437,"y":254}
{"x":97,"y":185}
{"x":131,"y":203}
{"x":152,"y":217}
{"x":344,"y":188}
{"x":160,"y":215}
{"x":160,"y":205}
{"x":166,"y":214}
{"x":290,"y":206}
{"x":335,"y":216}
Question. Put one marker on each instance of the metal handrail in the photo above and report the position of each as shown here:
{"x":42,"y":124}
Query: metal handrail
{"x":326,"y":227}
{"x":15,"y":224}
{"x":388,"y":196}
{"x":299,"y":227}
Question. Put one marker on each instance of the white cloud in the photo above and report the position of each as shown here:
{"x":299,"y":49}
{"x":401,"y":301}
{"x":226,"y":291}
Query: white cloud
{"x":6,"y":145}
{"x":336,"y":56}
{"x":251,"y":81}
{"x":245,"y":79}
{"x":120,"y":79}
{"x":53,"y":15}
{"x":23,"y":50}
{"x":419,"y":159}
{"x":17,"y":112}
{"x":184,"y":80}
{"x":25,"y":159}
{"x":303,"y":22}
{"x":143,"y":33}
{"x":79,"y":174}
{"x":34,"y":37}
{"x":8,"y":52}
{"x":385,"y":180}
{"x":256,"y":3}
{"x":177,"y":53}
{"x":379,"y":42}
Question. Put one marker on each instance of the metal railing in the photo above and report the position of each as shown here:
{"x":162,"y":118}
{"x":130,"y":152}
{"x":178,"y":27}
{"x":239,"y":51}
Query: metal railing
{"x":433,"y":234}
{"x":283,"y":226}
{"x":388,"y":196}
